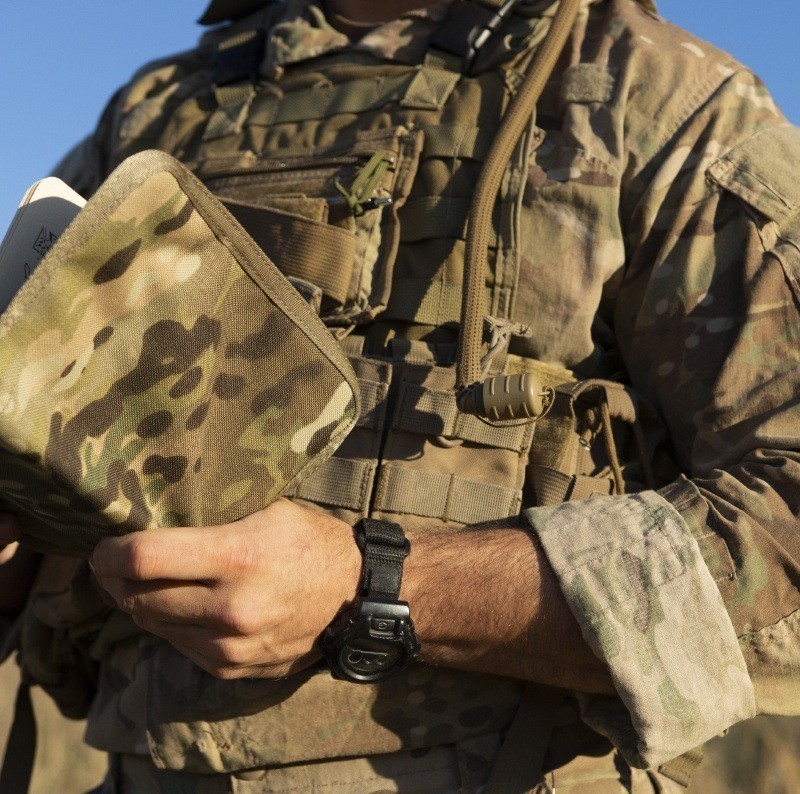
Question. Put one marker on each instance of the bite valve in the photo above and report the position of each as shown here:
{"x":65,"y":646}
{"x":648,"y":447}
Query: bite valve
{"x":505,"y":397}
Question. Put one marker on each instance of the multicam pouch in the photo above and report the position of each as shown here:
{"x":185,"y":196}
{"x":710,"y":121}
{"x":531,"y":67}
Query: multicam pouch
{"x":158,"y":370}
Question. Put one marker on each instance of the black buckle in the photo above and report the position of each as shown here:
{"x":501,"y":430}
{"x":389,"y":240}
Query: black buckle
{"x":237,"y":59}
{"x":468,"y":27}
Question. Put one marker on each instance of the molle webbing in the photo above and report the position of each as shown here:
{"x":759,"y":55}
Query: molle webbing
{"x":433,"y":412}
{"x":555,"y":468}
{"x":307,"y":249}
{"x":340,"y":482}
{"x":444,"y":496}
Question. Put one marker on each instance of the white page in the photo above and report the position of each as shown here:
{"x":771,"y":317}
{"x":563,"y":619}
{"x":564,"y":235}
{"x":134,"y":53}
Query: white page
{"x":46,"y":210}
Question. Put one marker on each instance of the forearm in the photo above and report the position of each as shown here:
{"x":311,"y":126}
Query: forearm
{"x":486,"y":599}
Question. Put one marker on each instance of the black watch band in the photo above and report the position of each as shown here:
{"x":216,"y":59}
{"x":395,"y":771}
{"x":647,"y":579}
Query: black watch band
{"x":385,"y":549}
{"x":376,"y":639}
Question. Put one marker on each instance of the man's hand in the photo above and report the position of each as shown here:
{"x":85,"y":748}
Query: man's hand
{"x":17,"y":567}
{"x":250,"y":599}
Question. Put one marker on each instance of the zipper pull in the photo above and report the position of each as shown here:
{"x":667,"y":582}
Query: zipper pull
{"x":359,"y":195}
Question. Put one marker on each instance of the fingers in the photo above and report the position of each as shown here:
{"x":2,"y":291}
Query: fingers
{"x":169,"y":601}
{"x":177,"y":553}
{"x":9,"y":529}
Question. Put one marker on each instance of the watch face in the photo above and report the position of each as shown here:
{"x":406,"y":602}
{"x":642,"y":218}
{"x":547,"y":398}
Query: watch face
{"x":367,"y":659}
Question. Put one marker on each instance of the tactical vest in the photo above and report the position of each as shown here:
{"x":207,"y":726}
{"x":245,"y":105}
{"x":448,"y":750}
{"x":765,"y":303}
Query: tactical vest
{"x":356,"y":175}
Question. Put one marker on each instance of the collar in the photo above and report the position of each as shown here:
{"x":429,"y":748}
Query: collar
{"x":299,"y":31}
{"x":230,"y":10}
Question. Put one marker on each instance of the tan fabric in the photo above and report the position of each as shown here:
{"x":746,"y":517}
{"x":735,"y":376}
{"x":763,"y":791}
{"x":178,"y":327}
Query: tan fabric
{"x":620,"y":253}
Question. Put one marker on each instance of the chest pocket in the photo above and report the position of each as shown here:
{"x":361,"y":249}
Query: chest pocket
{"x":328,"y":217}
{"x":761,"y":172}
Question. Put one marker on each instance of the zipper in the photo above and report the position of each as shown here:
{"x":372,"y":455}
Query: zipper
{"x":276,"y":166}
{"x":359,"y":197}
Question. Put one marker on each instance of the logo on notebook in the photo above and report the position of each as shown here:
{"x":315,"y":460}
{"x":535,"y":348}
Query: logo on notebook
{"x":44,"y":242}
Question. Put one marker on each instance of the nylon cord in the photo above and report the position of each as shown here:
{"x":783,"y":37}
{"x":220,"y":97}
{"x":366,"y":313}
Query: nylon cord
{"x":479,"y":224}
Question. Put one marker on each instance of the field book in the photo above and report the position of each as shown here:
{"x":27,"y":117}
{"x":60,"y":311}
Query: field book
{"x":45,"y":211}
{"x":156,"y":369}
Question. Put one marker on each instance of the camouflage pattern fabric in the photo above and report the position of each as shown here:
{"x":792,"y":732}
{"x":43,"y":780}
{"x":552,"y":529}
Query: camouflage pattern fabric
{"x":649,"y":226}
{"x":649,"y":607}
{"x":155,"y":370}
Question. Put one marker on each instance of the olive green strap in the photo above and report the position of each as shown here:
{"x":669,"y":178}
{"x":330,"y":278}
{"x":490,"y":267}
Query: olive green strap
{"x":518,"y":768}
{"x":20,"y":754}
{"x":512,"y":128}
{"x":300,"y":247}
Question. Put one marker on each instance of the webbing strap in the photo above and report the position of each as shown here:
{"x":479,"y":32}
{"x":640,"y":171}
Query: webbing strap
{"x":585,"y":487}
{"x":322,"y":102}
{"x":234,"y":75}
{"x":300,"y":247}
{"x":373,"y":403}
{"x":443,"y":495}
{"x":430,"y":88}
{"x":518,"y":768}
{"x":433,"y":412}
{"x":431,"y":217}
{"x":385,"y":549}
{"x":20,"y":752}
{"x":340,"y":482}
{"x":456,"y":140}
{"x":682,"y":768}
{"x":424,"y":301}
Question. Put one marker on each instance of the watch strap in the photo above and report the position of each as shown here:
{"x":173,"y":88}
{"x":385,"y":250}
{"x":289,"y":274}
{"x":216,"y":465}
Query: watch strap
{"x":385,"y":548}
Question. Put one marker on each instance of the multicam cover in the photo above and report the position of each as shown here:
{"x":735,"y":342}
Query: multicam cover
{"x":158,"y":370}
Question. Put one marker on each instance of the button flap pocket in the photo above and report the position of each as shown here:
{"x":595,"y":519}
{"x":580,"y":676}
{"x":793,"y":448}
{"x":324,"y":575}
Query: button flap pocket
{"x":762,"y":171}
{"x":328,"y":216}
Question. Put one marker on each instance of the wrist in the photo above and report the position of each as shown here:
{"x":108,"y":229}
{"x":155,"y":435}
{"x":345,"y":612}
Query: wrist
{"x":375,"y":639}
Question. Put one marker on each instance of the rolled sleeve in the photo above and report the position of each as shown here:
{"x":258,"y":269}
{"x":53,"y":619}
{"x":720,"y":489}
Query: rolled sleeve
{"x":633,"y":574}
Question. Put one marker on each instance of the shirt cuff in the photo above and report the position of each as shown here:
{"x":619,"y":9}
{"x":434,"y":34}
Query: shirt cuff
{"x":634,"y":577}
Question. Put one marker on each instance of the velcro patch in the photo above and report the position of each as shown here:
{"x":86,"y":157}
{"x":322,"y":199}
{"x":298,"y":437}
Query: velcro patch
{"x":587,"y":82}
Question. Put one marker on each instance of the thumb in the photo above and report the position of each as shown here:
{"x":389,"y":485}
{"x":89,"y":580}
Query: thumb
{"x":9,"y":529}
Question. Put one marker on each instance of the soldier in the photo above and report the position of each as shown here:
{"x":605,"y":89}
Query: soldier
{"x":591,"y":599}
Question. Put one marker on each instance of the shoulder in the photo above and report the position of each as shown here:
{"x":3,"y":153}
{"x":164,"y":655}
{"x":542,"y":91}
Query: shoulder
{"x":664,"y":74}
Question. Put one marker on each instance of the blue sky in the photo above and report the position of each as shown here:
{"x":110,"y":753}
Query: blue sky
{"x":61,"y":60}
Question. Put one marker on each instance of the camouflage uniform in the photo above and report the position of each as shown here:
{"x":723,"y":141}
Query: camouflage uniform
{"x":648,"y":225}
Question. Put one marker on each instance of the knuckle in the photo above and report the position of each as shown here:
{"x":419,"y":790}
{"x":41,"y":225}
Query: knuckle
{"x":238,"y":621}
{"x":230,"y":652}
{"x":140,"y":558}
{"x":238,"y":558}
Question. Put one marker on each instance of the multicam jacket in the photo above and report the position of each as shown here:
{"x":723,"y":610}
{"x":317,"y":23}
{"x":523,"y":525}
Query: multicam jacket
{"x":649,"y":225}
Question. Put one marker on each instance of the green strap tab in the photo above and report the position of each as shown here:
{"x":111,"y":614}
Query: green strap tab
{"x":369,"y":179}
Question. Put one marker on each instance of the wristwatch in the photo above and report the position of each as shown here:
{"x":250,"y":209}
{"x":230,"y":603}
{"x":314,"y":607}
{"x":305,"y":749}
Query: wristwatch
{"x":376,"y":639}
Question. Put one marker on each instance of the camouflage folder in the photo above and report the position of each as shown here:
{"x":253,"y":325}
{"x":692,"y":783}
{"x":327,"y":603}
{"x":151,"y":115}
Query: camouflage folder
{"x":158,"y":370}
